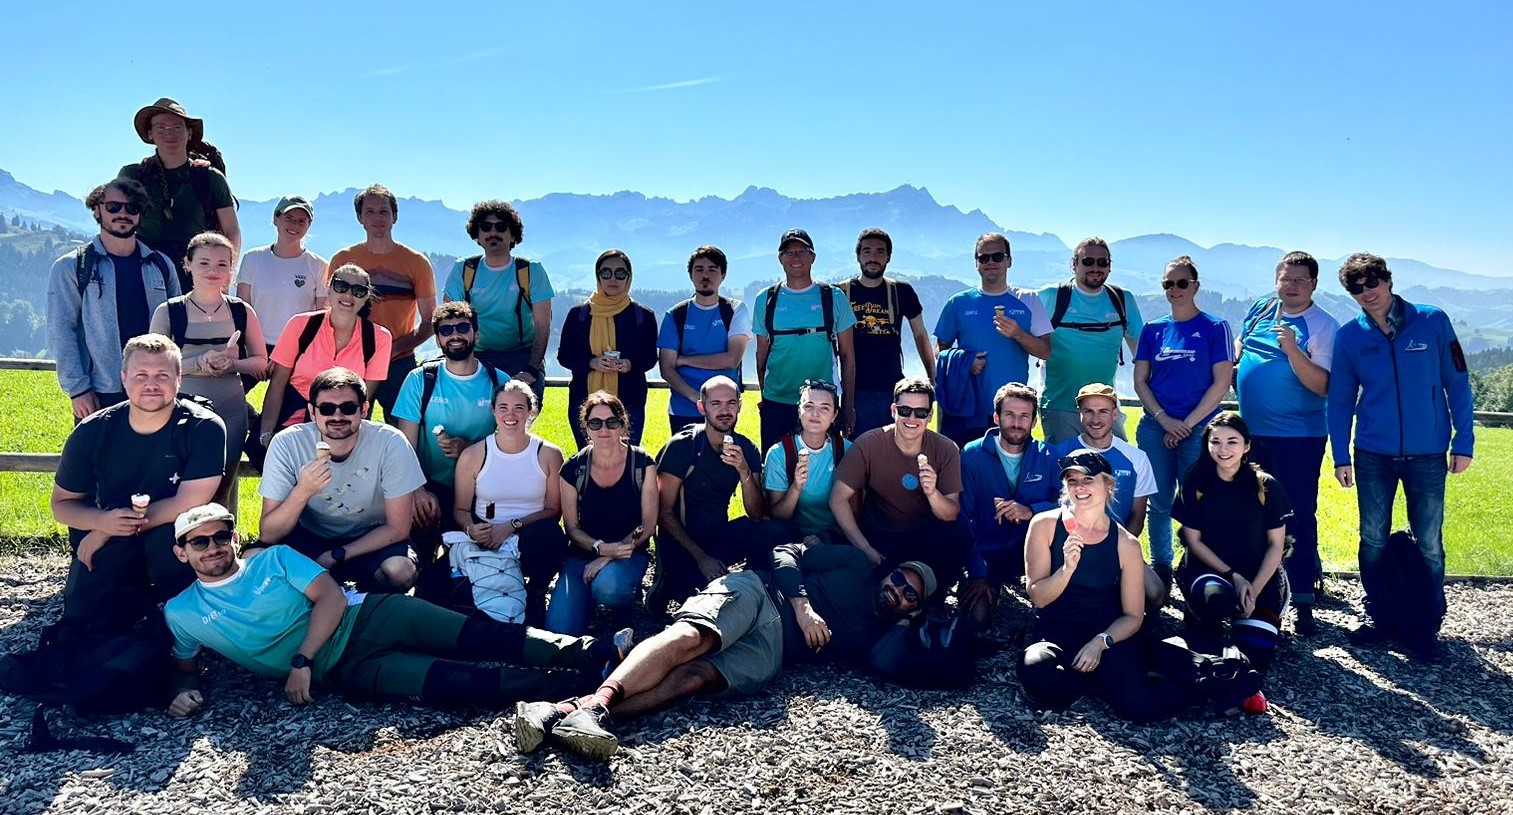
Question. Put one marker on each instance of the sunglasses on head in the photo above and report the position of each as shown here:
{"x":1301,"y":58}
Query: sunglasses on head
{"x":493,"y":226}
{"x":116,"y":206}
{"x":200,"y":543}
{"x":1181,"y":284}
{"x":1361,"y":284}
{"x":449,"y":329}
{"x":820,"y":384}
{"x":330,"y":408}
{"x":618,"y":274}
{"x":905,"y":412}
{"x":358,"y":290}
{"x":901,"y":582}
{"x":992,"y":257}
{"x":613,"y":423}
{"x":1101,"y":263}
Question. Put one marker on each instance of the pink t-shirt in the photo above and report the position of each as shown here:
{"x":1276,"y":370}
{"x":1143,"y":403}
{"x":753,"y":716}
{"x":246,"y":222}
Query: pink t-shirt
{"x":323,"y":354}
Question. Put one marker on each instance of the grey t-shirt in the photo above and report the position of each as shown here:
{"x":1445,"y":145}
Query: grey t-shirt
{"x":382,"y":466}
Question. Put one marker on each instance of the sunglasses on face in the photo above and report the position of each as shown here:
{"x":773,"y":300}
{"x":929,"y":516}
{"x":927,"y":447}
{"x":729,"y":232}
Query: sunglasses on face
{"x":200,"y":543}
{"x":898,"y":581}
{"x":992,"y":257}
{"x":905,"y":412}
{"x":330,"y":408}
{"x":613,"y":423}
{"x":358,"y":290}
{"x":449,"y":329}
{"x":1181,"y":284}
{"x":116,"y":206}
{"x":1361,"y":284}
{"x":493,"y":226}
{"x":1101,"y":263}
{"x":618,"y":274}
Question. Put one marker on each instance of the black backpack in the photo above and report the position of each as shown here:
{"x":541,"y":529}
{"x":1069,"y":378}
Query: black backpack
{"x":1064,"y":302}
{"x":827,"y":305}
{"x":1404,"y":604}
{"x":87,"y":270}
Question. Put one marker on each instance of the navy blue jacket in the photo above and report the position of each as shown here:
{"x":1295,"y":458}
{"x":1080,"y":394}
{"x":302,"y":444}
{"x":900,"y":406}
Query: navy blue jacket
{"x":1404,"y":394}
{"x":956,"y":389}
{"x":983,"y":479}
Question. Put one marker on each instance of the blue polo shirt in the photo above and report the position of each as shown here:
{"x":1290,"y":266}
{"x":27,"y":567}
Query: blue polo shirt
{"x":966,"y":320}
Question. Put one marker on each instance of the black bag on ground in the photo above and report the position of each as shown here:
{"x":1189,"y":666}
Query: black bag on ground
{"x":440,"y":586}
{"x":938,"y":652}
{"x":1215,"y":670}
{"x":95,"y":666}
{"x":1403,"y":603}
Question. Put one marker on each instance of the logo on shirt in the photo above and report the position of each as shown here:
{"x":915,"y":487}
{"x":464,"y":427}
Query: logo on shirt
{"x":262,"y":587}
{"x":1169,"y":354}
{"x":910,"y":481}
{"x":211,"y":617}
{"x":1415,"y":345}
{"x":1033,"y":477}
{"x":299,"y":281}
{"x":1198,"y":334}
{"x":1123,"y":473}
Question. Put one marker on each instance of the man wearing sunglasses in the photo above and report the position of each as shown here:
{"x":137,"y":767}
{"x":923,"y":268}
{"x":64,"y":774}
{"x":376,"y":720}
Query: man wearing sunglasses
{"x":282,"y":616}
{"x":341,"y":490}
{"x":1399,"y":377}
{"x":404,"y":285}
{"x":1089,"y":318}
{"x":103,"y":294}
{"x":987,"y":335}
{"x":734,"y":637}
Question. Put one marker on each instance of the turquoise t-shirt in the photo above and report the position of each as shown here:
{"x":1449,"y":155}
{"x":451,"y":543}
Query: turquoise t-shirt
{"x":460,"y":404}
{"x":1273,"y":400}
{"x":1011,"y":464}
{"x":257,"y":617}
{"x":796,"y":357}
{"x":1083,"y":357}
{"x":813,"y":514}
{"x":493,"y":296}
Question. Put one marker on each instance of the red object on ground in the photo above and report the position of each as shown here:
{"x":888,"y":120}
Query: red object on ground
{"x":1255,"y":703}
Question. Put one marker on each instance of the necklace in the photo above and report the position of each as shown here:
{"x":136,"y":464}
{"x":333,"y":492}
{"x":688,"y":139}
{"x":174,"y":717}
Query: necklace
{"x":216,"y":310}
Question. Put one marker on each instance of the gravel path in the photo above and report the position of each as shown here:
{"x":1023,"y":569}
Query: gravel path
{"x":1349,"y":730}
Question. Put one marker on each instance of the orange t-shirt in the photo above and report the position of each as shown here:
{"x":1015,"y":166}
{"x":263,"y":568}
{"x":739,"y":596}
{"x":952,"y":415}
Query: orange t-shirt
{"x":323,"y":355}
{"x":401,"y":277}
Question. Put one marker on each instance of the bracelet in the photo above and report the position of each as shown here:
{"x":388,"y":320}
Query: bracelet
{"x":1160,"y":412}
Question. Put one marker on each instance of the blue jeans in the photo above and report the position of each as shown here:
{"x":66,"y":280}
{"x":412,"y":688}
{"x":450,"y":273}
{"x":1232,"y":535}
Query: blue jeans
{"x":572,"y":603}
{"x":1294,"y":462}
{"x":1423,"y":479}
{"x":1168,"y":466}
{"x":874,"y":409}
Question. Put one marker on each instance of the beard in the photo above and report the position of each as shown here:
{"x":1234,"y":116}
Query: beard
{"x":120,"y":230}
{"x":723,"y":425}
{"x":885,"y":603}
{"x":458,"y":353}
{"x":870,"y":274}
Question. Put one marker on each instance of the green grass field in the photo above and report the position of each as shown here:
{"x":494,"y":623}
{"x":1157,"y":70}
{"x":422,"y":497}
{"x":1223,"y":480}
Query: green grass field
{"x":39,"y":420}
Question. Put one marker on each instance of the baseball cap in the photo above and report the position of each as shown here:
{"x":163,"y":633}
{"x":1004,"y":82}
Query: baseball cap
{"x":926,"y":574}
{"x":289,"y":202}
{"x":1086,"y":461}
{"x":200,"y":515}
{"x":1097,"y":389}
{"x":796,"y":235}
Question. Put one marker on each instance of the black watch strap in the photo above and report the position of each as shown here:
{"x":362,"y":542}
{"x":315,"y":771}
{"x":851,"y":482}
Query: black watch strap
{"x":338,"y":553}
{"x":299,"y":661}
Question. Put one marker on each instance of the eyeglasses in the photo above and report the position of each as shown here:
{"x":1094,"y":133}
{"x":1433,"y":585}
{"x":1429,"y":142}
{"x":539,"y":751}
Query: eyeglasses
{"x":618,"y":274}
{"x":820,"y":384}
{"x":358,"y":290}
{"x":493,"y":226}
{"x":1181,"y":284}
{"x":168,"y":129}
{"x":992,"y":257}
{"x":200,"y":543}
{"x":448,"y":329}
{"x":1101,"y":263}
{"x":116,"y":206}
{"x":1294,"y":281}
{"x":905,"y":412}
{"x":330,"y":408}
{"x":899,"y":581}
{"x":1361,"y":284}
{"x":613,"y":423}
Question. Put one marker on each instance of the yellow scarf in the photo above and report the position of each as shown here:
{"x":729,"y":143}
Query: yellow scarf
{"x":601,"y":335}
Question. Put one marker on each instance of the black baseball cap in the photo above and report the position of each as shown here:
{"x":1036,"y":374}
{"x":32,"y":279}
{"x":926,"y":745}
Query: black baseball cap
{"x":796,"y":235}
{"x":1086,"y":461}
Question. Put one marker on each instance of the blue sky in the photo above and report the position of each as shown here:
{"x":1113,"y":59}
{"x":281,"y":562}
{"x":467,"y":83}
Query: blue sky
{"x":1331,"y":127}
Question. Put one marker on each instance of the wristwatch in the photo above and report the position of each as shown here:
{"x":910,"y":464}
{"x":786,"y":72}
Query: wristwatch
{"x":516,"y":524}
{"x":299,"y":661}
{"x":597,"y":544}
{"x":1108,"y":640}
{"x":338,"y":553}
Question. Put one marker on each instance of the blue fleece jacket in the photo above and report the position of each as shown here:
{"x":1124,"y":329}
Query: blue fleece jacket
{"x":1404,"y":393}
{"x":984,"y":479}
{"x":956,"y":389}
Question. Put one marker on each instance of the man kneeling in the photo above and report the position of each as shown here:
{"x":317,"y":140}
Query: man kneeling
{"x":281,"y":615}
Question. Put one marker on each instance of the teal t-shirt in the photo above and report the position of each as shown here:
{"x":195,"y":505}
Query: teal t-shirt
{"x":1011,"y":464}
{"x":1083,"y":357}
{"x":460,"y":404}
{"x":813,"y":514}
{"x":257,"y":617}
{"x":794,"y":358}
{"x":494,"y":295}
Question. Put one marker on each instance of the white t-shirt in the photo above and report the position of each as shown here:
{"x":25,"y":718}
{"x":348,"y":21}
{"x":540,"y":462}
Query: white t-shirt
{"x":281,"y":287}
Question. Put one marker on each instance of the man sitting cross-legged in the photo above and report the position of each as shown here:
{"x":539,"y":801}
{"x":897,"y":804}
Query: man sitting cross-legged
{"x":281,"y":615}
{"x":735,"y":636}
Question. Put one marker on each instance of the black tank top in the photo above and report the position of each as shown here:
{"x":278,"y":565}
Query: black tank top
{"x":1091,"y":596}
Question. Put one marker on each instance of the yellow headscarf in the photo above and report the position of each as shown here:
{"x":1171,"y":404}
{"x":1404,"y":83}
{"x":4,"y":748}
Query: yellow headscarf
{"x":601,"y":334}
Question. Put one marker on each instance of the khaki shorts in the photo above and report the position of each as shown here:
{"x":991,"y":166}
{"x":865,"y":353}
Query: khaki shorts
{"x":738,"y":610}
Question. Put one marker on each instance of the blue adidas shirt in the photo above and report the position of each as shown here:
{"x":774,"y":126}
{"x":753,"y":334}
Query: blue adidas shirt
{"x":1182,"y":356}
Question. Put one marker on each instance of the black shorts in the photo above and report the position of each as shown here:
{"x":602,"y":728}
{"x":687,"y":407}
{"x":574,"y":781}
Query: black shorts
{"x":358,"y":569}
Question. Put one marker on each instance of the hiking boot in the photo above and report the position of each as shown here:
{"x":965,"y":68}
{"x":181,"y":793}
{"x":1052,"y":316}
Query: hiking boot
{"x":583,"y":732}
{"x":1426,"y":651}
{"x":533,"y":722}
{"x":1305,"y":625}
{"x":1367,"y":635}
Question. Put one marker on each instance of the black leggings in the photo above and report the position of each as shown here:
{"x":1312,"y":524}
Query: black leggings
{"x":1046,"y":671}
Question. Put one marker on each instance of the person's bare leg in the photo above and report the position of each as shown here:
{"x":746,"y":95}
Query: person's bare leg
{"x":699,"y":676}
{"x":652,"y":660}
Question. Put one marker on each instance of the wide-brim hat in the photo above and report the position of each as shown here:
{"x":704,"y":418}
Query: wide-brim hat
{"x":143,"y":119}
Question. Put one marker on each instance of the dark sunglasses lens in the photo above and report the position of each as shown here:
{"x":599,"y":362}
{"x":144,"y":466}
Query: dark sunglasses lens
{"x":459,"y":328}
{"x":330,"y":408}
{"x":492,"y":226}
{"x":116,"y":206}
{"x":901,"y":583}
{"x":992,"y":257}
{"x":200,"y":543}
{"x":618,"y":274}
{"x":1101,"y":263}
{"x":1180,"y":284}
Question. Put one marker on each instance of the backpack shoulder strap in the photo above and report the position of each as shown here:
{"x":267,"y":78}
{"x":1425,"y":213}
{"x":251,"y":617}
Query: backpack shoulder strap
{"x":369,"y":340}
{"x":893,"y":305}
{"x":307,"y":335}
{"x":469,"y":274}
{"x":1063,"y":302}
{"x":727,"y":312}
{"x":428,"y":373}
{"x":827,"y":305}
{"x":178,"y":319}
{"x":199,"y":179}
{"x":771,"y":309}
{"x":84,"y":266}
{"x":523,"y":279}
{"x":1116,"y":294}
{"x":1250,"y":324}
{"x":680,"y":320}
{"x":790,"y":455}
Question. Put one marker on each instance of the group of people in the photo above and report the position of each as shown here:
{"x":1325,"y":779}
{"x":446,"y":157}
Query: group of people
{"x":857,"y":520}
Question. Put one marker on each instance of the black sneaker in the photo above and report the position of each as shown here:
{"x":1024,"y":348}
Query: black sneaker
{"x":1426,"y":651}
{"x":533,"y":722}
{"x":1305,"y":625}
{"x":1367,"y":634}
{"x":583,"y":732}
